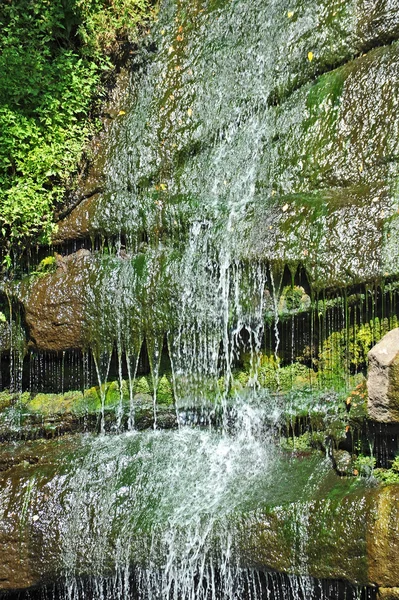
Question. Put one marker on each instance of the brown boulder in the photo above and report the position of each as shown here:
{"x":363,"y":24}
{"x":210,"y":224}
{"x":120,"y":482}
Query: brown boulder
{"x":78,"y":223}
{"x":55,"y":304}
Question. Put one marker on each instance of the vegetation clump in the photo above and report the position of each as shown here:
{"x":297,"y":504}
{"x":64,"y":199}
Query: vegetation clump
{"x":54,"y":56}
{"x":388,"y":476}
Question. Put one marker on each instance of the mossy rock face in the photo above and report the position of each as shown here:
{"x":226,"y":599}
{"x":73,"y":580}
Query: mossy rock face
{"x":383,"y":537}
{"x":322,"y":189}
{"x":378,"y":22}
{"x":320,"y":132}
{"x":27,"y":473}
{"x":336,"y":529}
{"x":78,"y":223}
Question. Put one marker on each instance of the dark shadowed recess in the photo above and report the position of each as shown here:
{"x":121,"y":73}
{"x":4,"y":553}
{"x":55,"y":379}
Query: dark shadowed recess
{"x":260,"y":585}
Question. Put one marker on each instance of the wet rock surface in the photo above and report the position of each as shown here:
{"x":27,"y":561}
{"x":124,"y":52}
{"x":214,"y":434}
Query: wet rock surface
{"x":383,"y":538}
{"x":55,"y":304}
{"x":388,"y":593}
{"x":38,"y":484}
{"x":383,"y":379}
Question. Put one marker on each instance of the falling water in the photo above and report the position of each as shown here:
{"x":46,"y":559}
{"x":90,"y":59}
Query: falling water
{"x":214,"y":260}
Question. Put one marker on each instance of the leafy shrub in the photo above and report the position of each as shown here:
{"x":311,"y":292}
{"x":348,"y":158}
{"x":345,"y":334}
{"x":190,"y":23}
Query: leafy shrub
{"x":364,"y":465}
{"x":53,"y":55}
{"x":164,"y":392}
{"x":395,"y":464}
{"x":386,"y":476}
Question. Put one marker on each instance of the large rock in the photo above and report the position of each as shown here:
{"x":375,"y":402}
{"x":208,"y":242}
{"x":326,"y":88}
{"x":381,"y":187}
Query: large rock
{"x":383,"y":379}
{"x":55,"y":304}
{"x":383,"y":539}
{"x":74,"y":504}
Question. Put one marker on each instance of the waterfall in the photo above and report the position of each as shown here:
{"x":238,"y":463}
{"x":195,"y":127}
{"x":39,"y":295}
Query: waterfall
{"x":221,"y":293}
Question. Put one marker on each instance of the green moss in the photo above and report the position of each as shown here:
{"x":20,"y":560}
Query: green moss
{"x":327,"y":90}
{"x":50,"y":404}
{"x":47,"y":264}
{"x":301,"y":443}
{"x":92,"y":398}
{"x":75,"y":402}
{"x":165,"y":392}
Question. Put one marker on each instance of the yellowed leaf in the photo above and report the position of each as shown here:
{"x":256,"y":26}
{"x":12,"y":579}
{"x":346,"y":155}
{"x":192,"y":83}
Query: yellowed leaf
{"x":121,"y":112}
{"x":290,"y":14}
{"x":310,"y":56}
{"x":190,"y":112}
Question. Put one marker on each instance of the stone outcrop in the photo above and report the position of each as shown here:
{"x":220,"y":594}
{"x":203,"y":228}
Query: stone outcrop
{"x":388,"y":593}
{"x":383,"y":379}
{"x":341,"y":533}
{"x":55,"y":304}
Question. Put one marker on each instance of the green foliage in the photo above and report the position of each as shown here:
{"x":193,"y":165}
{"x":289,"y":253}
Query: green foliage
{"x":386,"y":476}
{"x":302,"y":443}
{"x":104,"y":23}
{"x":395,"y":465}
{"x":53,"y":55}
{"x":273,"y":376}
{"x":364,"y":465}
{"x":141,"y":386}
{"x":164,"y":392}
{"x":47,"y":265}
{"x":348,"y":348}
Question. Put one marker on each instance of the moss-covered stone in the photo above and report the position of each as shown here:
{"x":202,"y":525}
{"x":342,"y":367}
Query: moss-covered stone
{"x":383,"y":537}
